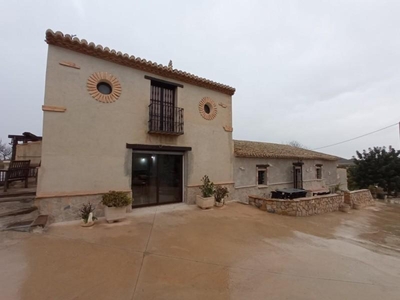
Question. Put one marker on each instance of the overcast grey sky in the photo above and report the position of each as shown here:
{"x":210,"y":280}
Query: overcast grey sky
{"x":318,"y":72}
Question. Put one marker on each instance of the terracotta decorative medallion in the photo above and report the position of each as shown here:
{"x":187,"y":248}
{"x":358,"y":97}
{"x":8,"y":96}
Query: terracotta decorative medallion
{"x":207,"y":108}
{"x":104,"y":87}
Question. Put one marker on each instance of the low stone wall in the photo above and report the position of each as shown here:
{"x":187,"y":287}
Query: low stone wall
{"x":67,"y":208}
{"x":300,"y":207}
{"x":359,"y":199}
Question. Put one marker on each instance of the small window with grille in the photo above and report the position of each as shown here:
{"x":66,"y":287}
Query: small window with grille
{"x":262,"y":174}
{"x":319,"y":171}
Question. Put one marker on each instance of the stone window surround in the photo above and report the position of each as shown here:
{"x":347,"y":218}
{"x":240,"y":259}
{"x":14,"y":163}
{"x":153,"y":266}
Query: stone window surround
{"x":318,"y":172}
{"x":262,"y":168}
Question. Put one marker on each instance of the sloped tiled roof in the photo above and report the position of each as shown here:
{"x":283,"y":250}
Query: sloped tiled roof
{"x":82,"y":46}
{"x":270,"y":150}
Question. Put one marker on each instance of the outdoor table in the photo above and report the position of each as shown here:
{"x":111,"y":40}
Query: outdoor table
{"x":289,"y":193}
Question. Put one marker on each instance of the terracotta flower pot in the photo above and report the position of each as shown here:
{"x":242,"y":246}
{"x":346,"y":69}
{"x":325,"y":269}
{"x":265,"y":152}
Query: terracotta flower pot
{"x":220,"y":204}
{"x":113,"y":214}
{"x":344,"y":208}
{"x":205,"y":203}
{"x":87,"y":224}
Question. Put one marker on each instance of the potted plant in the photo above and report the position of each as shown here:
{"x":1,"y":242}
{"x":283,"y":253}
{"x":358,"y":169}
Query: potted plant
{"x":86,"y":214}
{"x":115,"y":205}
{"x":206,"y":200}
{"x":220,"y":193}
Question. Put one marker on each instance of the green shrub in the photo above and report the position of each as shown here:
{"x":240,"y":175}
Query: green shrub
{"x":336,"y":188}
{"x":207,"y":189}
{"x":373,"y":190}
{"x":85,"y":211}
{"x":220,"y":193}
{"x":380,"y":193}
{"x":116,"y":199}
{"x":381,"y":196}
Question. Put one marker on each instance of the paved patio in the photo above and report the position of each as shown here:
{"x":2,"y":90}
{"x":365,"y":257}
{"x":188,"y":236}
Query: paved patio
{"x":237,"y":252}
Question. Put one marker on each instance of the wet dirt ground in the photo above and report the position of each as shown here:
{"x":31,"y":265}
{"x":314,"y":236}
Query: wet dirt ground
{"x":236,"y":252}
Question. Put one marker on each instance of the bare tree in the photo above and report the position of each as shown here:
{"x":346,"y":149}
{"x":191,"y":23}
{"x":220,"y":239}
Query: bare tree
{"x":297,"y":144}
{"x":5,"y":151}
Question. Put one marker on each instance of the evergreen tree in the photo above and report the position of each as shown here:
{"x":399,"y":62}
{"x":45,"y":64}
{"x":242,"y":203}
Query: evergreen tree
{"x":376,"y":166}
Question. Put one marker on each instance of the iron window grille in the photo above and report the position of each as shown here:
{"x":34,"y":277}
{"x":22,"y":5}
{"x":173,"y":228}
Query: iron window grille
{"x":164,"y":116}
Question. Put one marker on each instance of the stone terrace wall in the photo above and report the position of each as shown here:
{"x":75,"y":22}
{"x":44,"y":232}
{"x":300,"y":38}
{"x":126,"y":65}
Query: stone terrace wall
{"x":359,"y":199}
{"x":300,"y":207}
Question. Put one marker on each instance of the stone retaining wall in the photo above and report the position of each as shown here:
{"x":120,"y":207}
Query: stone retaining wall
{"x":67,"y":208}
{"x":300,"y":207}
{"x":62,"y":209}
{"x":359,"y":199}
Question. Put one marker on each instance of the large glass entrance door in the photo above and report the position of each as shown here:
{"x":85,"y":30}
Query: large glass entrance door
{"x":156,"y":178}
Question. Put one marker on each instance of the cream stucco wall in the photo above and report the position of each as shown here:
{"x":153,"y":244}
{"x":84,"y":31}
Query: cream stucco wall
{"x":30,"y":151}
{"x":84,"y":148}
{"x":342,"y":176}
{"x":279,"y":175}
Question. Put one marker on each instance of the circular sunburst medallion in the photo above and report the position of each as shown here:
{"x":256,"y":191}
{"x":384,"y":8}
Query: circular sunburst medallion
{"x":207,"y":108}
{"x":104,"y":87}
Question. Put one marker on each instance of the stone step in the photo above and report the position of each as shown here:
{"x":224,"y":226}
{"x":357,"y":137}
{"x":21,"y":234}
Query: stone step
{"x":14,"y":206}
{"x":23,"y":198}
{"x":15,"y":203}
{"x":23,"y":226}
{"x":26,"y":226}
{"x":27,"y":192}
{"x":18,"y":215}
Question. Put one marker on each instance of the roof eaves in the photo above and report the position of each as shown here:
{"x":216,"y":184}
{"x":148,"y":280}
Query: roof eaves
{"x":82,"y":46}
{"x":248,"y":149}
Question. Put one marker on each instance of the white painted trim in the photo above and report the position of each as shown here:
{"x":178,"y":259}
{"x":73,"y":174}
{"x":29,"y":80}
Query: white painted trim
{"x":310,"y":180}
{"x":245,"y":186}
{"x":183,"y":179}
{"x":157,"y":152}
{"x":262,"y":186}
{"x":287,"y":182}
{"x":215,"y":183}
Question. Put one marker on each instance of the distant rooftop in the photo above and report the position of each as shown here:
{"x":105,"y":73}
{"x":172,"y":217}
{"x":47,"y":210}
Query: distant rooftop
{"x":345,"y":162}
{"x":82,"y":46}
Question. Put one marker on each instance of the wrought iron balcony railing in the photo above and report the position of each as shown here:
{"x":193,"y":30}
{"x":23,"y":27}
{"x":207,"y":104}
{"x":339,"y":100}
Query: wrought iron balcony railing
{"x":165,"y":118}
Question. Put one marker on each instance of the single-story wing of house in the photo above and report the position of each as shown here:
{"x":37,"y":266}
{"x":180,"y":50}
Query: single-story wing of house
{"x":260,"y":168}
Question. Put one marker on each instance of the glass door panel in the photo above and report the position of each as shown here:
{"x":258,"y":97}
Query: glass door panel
{"x":144,"y":179}
{"x":156,"y":179}
{"x":169,"y":178}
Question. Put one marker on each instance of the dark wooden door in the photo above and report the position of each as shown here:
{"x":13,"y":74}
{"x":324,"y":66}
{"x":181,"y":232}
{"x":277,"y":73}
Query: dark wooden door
{"x":298,"y":177}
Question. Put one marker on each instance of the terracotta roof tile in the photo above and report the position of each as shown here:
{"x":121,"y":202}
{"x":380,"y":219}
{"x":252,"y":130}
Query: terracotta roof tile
{"x":82,"y":46}
{"x":270,"y":150}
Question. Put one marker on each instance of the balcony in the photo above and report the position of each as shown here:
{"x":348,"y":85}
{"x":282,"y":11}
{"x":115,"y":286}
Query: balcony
{"x":165,"y":118}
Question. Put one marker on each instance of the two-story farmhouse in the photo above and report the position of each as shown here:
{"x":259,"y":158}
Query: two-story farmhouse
{"x":118,"y":122}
